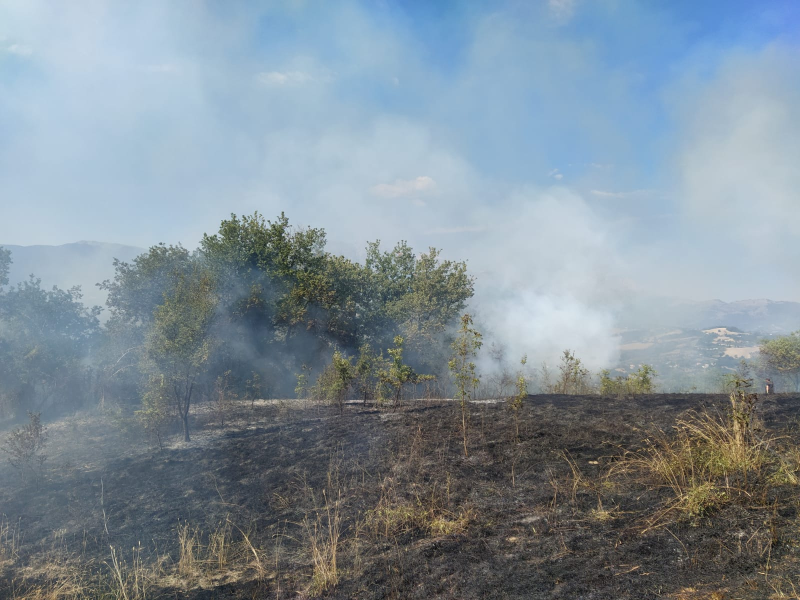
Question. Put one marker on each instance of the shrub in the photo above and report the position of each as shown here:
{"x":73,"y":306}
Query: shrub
{"x":712,"y":460}
{"x":465,"y":348}
{"x":24,"y":446}
{"x":335,"y":381}
{"x":640,"y":382}
{"x":574,"y":378}
{"x":515,"y":402}
{"x":155,"y":416}
{"x":394,"y":374}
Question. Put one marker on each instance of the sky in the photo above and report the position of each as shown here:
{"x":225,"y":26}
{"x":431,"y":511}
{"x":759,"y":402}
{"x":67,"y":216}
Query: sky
{"x":576,"y":152}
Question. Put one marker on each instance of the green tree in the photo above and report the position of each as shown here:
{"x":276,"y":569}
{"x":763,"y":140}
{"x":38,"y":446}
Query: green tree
{"x":515,"y":402}
{"x":781,"y":355}
{"x":5,"y":266}
{"x":46,"y":338}
{"x":336,"y":381}
{"x":394,"y":375}
{"x":642,"y":381}
{"x":138,"y":287}
{"x":465,"y":347}
{"x":366,"y":372}
{"x":574,"y":377}
{"x":178,"y":345}
{"x":416,"y":297}
{"x":134,"y":293}
{"x":639,"y":382}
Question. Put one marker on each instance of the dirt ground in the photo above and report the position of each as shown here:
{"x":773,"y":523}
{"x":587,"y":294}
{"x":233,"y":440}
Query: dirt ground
{"x":411,"y":515}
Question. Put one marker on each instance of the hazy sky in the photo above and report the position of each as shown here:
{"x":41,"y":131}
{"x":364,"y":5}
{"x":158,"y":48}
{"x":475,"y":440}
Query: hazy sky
{"x":572,"y":150}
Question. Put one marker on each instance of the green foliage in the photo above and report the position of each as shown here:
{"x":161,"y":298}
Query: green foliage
{"x":637,"y":383}
{"x":366,"y":372}
{"x":24,"y":446}
{"x":253,"y":389}
{"x":515,"y":402}
{"x":574,"y":378}
{"x":155,"y":416}
{"x":418,"y":297}
{"x":225,"y":395}
{"x":45,"y":336}
{"x":729,"y":381}
{"x":138,"y":287}
{"x":781,"y":355}
{"x":641,"y":382}
{"x":303,"y":386}
{"x":336,"y":381}
{"x":394,"y":374}
{"x":178,"y":345}
{"x":465,"y":347}
{"x":258,"y":300}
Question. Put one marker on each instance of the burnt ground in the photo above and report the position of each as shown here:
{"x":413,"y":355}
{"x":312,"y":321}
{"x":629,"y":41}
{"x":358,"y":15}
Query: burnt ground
{"x":417,"y":519}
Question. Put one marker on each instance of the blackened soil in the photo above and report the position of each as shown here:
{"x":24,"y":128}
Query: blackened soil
{"x":520,"y":521}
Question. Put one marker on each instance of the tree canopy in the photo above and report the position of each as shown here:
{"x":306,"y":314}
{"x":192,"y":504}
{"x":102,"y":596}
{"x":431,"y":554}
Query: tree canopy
{"x":781,"y":355}
{"x":258,"y":301}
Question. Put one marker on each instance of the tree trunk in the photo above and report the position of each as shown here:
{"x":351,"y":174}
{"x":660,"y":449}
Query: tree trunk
{"x":183,"y":408}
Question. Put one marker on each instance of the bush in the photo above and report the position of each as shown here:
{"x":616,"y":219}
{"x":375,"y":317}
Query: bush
{"x":155,"y":416}
{"x":24,"y":446}
{"x":335,"y":381}
{"x":640,"y":382}
{"x":574,"y":377}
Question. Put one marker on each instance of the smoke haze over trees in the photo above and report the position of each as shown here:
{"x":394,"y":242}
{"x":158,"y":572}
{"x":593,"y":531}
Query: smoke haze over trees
{"x":258,"y":300}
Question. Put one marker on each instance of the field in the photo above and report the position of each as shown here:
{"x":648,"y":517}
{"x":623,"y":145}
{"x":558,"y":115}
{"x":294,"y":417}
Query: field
{"x":291,"y":499}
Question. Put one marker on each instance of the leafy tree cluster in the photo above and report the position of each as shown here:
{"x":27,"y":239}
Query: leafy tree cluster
{"x":634,"y":384}
{"x":256,"y":303}
{"x":780,"y":357}
{"x":574,"y":377}
{"x":46,"y":342}
{"x":264,"y":303}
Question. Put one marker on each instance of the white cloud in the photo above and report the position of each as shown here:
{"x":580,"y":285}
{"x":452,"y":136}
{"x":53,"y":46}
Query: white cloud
{"x":631,"y":194}
{"x":278,"y":79}
{"x":554,"y":173}
{"x":20,"y":49}
{"x":404,"y":187}
{"x":561,"y":11}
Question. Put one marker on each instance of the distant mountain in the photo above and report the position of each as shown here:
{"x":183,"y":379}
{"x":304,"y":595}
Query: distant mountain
{"x":88,"y":263}
{"x":82,"y":263}
{"x":762,"y":315}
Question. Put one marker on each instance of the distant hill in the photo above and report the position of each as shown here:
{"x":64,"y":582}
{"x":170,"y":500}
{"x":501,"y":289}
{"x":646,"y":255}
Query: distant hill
{"x":88,"y":263}
{"x":764,"y":316}
{"x":81,"y":263}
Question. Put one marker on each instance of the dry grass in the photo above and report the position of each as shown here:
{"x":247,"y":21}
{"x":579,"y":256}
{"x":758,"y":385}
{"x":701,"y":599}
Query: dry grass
{"x":785,"y":589}
{"x":10,"y":540}
{"x":712,"y":460}
{"x":706,"y":464}
{"x":117,"y":579}
{"x":323,"y":536}
{"x":427,"y":513}
{"x":134,"y":580}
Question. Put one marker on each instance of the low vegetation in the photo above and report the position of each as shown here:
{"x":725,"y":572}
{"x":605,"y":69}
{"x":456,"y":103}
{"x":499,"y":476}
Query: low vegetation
{"x":293,"y":499}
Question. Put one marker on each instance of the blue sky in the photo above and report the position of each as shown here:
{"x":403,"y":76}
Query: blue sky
{"x":577,"y":149}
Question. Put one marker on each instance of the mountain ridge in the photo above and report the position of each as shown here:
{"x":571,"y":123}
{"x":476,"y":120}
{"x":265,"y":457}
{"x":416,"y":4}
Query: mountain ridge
{"x":87,"y":262}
